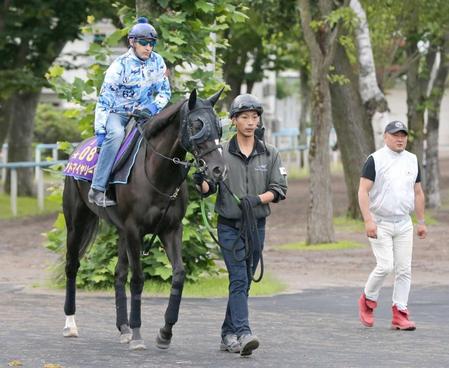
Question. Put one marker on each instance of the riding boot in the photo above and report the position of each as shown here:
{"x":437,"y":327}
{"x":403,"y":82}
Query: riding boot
{"x":100,"y":198}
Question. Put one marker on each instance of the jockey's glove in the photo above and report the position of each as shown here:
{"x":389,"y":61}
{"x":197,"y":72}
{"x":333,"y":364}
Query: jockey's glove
{"x":100,"y":138}
{"x":253,"y":200}
{"x":145,"y":113}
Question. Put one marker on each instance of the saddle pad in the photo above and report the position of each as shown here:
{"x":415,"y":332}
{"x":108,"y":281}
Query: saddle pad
{"x":83,"y":160}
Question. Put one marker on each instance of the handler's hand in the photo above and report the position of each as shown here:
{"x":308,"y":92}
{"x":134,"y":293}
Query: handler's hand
{"x":371,"y":229}
{"x":421,"y":231}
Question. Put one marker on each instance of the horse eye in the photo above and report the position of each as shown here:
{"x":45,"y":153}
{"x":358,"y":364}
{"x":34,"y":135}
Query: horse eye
{"x":197,"y":125}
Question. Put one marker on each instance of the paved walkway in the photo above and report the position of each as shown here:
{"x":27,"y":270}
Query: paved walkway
{"x":316,"y":328}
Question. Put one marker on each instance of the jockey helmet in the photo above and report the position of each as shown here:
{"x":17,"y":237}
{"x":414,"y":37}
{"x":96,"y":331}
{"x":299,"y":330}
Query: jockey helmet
{"x":142,"y":29}
{"x":245,"y":102}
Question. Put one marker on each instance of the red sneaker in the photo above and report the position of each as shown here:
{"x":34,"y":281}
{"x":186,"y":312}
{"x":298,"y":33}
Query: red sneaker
{"x":400,"y":320}
{"x":366,"y":310}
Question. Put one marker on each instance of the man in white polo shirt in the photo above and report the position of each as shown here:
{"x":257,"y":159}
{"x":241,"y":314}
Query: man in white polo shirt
{"x":390,"y":189}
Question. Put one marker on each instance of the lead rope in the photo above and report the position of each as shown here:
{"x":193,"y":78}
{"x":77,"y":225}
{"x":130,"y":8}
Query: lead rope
{"x":249,"y":232}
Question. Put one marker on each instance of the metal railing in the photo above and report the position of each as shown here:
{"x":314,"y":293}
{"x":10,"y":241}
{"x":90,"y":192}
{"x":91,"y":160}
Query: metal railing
{"x":14,"y":166}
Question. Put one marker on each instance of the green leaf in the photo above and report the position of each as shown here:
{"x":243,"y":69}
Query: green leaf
{"x":205,"y":6}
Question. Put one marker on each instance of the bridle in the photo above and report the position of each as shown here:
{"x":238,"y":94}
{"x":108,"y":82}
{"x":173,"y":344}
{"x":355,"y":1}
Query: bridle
{"x":191,"y":145}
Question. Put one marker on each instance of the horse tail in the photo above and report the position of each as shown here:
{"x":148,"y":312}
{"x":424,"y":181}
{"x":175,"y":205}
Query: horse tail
{"x":81,"y":222}
{"x":89,"y":231}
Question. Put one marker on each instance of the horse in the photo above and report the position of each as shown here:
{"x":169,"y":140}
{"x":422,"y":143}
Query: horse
{"x":155,"y":195}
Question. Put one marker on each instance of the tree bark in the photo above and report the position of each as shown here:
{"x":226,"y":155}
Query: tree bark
{"x":417,"y":85}
{"x":371,"y":95}
{"x":5,"y":119}
{"x":432,"y":168}
{"x":21,"y":137}
{"x":353,"y":127}
{"x":322,"y":51}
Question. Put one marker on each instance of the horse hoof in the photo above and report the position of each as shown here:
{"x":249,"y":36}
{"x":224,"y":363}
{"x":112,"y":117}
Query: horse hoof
{"x":137,"y":345}
{"x":161,"y":342}
{"x":70,"y":332}
{"x":125,"y":338}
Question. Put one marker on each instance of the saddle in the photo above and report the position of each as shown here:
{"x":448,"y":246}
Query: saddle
{"x":82,"y":161}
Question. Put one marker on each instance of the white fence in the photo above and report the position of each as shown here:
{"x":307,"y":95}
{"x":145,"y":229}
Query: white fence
{"x":14,"y":166}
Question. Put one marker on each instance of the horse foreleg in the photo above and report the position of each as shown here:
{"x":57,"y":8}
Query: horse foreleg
{"x":121,"y":275}
{"x":136,"y":287}
{"x":173,"y":247}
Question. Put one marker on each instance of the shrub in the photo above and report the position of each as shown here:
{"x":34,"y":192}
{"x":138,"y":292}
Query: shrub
{"x":52,"y":125}
{"x":98,"y":265}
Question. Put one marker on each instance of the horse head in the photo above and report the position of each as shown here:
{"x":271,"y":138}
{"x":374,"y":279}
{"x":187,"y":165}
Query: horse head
{"x":200,"y":134}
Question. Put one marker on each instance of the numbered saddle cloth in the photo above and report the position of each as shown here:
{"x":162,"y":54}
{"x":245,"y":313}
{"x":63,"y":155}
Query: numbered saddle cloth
{"x":82,"y":161}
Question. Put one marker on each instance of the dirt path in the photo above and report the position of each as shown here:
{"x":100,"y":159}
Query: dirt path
{"x":23,"y":259}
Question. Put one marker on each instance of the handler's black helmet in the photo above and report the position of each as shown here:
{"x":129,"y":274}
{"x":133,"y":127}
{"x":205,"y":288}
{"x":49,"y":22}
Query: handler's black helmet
{"x":245,"y":102}
{"x":142,"y":29}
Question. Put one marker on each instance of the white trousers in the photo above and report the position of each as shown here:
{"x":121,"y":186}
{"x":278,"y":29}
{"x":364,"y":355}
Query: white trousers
{"x":393,"y":251}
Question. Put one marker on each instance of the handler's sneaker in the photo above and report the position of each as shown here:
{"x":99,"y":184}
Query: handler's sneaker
{"x":366,"y":310}
{"x":248,"y":343}
{"x":230,"y":343}
{"x":400,"y":320}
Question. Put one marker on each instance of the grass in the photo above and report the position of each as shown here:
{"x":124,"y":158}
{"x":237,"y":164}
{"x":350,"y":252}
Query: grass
{"x":348,"y":224}
{"x":207,"y":287}
{"x":26,"y":206}
{"x":341,"y":245}
{"x":303,"y":173}
{"x":215,"y":286}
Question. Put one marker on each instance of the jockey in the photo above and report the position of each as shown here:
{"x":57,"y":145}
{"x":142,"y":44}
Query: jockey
{"x":136,"y":82}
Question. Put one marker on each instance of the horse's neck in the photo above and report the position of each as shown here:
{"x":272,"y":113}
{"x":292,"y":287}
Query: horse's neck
{"x":168,"y":143}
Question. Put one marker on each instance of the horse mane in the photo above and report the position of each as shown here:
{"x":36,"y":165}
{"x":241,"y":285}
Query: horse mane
{"x":162,"y":120}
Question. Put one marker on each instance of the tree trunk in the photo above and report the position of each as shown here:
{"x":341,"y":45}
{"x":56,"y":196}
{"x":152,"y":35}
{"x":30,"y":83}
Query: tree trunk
{"x":353,"y":127}
{"x":320,"y":214}
{"x":144,"y":8}
{"x":322,"y":47}
{"x":21,"y":137}
{"x":417,"y":85}
{"x":371,"y":95}
{"x":5,"y":120}
{"x":432,"y":169}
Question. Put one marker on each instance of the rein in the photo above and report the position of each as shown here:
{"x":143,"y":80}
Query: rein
{"x":248,"y":229}
{"x":177,"y":161}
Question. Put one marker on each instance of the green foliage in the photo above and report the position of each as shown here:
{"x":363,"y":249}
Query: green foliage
{"x":286,"y":87}
{"x":98,"y":265}
{"x":53,"y":125}
{"x":33,"y":34}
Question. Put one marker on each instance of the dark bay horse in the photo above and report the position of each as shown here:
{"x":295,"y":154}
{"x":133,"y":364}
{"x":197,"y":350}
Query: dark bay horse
{"x":156,"y":187}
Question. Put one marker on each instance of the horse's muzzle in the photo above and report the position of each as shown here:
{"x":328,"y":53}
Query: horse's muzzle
{"x":218,"y":173}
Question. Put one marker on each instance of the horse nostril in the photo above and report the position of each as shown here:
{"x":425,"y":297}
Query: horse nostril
{"x":217,"y":171}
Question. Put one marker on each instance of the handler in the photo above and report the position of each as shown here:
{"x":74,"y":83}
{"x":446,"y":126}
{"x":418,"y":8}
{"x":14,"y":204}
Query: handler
{"x":389,"y":190}
{"x":136,"y":83}
{"x":257,"y":177}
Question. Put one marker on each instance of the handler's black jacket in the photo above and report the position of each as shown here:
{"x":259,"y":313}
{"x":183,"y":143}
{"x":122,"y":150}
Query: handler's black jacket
{"x":260,"y":172}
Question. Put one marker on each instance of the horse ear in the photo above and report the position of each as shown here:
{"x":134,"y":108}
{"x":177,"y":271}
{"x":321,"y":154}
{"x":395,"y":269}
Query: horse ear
{"x":192,"y":99}
{"x":213,"y":99}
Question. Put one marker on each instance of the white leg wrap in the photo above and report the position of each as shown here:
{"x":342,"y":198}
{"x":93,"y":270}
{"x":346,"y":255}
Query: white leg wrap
{"x":70,"y":329}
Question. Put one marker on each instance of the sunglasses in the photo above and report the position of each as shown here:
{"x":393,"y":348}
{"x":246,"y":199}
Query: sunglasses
{"x":146,"y":42}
